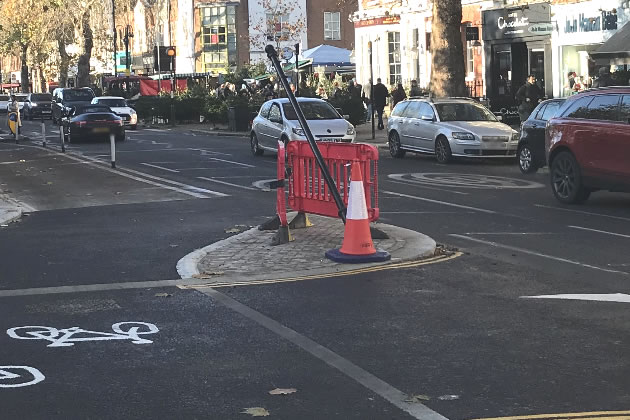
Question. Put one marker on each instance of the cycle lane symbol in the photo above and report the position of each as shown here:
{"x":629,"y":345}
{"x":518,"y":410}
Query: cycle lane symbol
{"x":66,"y":337}
{"x":19,"y":376}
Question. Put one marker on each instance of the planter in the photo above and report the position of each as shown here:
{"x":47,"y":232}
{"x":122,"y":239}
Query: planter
{"x":238,"y":118}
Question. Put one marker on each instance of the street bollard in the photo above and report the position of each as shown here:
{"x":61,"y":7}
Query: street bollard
{"x":43,"y":131}
{"x":112,"y":143}
{"x":61,"y":138}
{"x":17,"y":125}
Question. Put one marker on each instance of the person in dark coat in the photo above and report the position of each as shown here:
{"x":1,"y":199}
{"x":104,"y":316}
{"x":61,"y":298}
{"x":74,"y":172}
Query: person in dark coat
{"x":529,"y":95}
{"x":415,"y":89}
{"x":398,"y":95}
{"x":380,"y":100}
{"x":604,"y":78}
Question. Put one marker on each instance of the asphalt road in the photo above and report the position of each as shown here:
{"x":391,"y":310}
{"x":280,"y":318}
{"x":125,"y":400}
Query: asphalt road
{"x":459,"y":335}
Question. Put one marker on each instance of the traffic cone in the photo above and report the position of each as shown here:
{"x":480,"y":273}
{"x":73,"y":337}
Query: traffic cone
{"x":357,"y":246}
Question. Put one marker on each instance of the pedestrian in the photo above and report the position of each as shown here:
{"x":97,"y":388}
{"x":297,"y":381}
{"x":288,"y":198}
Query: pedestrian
{"x":604,"y":78}
{"x":578,"y":85}
{"x":529,"y":95}
{"x":380,"y":100}
{"x":14,"y":107}
{"x":415,"y":89}
{"x":354,"y":92}
{"x":336,"y":91}
{"x":398,"y":95}
{"x":366,"y":95}
{"x":321,"y":92}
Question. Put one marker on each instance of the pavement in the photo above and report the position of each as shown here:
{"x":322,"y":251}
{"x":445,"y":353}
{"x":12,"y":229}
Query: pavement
{"x":249,"y":257}
{"x":10,"y":211}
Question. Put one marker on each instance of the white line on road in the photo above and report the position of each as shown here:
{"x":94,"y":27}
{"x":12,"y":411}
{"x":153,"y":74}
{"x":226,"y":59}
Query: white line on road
{"x":583,"y":212}
{"x":538,"y":254}
{"x":160,"y":167}
{"x":600,"y":231}
{"x":232,"y":162}
{"x":510,"y":233}
{"x":598,"y":297}
{"x":417,"y":184}
{"x":358,"y":374}
{"x":227,"y":183}
{"x":204,"y":152}
{"x":445,"y":203}
{"x":427,"y":212}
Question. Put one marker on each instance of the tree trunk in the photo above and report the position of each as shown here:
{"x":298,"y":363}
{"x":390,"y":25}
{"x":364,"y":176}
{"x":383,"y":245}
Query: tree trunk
{"x":63,"y":64}
{"x":83,"y":66}
{"x":448,"y":76}
{"x":25,"y":76}
{"x":42,"y":80}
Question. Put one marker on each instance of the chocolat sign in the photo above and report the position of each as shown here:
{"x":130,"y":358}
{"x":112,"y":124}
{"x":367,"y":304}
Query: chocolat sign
{"x":517,"y":22}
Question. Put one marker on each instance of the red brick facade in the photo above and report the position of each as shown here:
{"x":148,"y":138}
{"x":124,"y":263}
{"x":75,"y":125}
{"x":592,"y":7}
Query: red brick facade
{"x":315,"y":10}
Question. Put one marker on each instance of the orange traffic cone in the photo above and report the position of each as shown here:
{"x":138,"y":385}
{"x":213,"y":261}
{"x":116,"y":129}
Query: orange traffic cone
{"x":357,"y":244}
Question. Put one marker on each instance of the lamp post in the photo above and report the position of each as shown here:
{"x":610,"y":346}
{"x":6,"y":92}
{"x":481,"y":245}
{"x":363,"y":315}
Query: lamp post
{"x":171,"y":53}
{"x":114,"y":29}
{"x":297,"y":71}
{"x":371,"y":90}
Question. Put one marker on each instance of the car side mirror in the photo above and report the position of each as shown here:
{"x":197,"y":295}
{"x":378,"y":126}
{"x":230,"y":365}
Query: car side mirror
{"x":427,"y":117}
{"x":346,"y":117}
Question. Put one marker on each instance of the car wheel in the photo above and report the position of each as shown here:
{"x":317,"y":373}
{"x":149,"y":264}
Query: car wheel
{"x":442,"y":150}
{"x":395,"y":148}
{"x":566,"y":180}
{"x":256,"y":150}
{"x":526,"y":159}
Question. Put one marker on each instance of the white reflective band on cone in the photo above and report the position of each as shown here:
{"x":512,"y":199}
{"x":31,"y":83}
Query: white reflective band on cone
{"x":357,"y":209}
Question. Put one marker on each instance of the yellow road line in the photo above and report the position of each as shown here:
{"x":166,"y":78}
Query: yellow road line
{"x":593,"y":415}
{"x":408,"y":264}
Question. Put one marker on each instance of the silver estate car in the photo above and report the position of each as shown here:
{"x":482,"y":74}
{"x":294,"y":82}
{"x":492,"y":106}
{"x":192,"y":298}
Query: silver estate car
{"x":447,"y":128}
{"x":277,"y":120}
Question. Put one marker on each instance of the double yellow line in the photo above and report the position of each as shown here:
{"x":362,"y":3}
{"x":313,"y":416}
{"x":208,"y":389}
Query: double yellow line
{"x":408,"y":264}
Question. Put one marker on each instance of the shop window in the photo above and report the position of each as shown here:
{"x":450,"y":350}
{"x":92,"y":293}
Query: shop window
{"x":395,"y":68}
{"x":603,"y":107}
{"x":218,"y":37}
{"x":332,"y":26}
{"x":624,"y":114}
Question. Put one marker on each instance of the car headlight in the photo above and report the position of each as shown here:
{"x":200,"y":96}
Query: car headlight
{"x":516,"y":136}
{"x":33,"y":104}
{"x":134,"y":118}
{"x":350,"y":131}
{"x":298,"y":131}
{"x":463,"y":136}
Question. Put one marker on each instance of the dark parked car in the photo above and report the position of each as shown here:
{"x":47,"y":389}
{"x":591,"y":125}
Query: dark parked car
{"x":92,"y":121}
{"x":588,"y":144}
{"x":531,"y":146}
{"x":37,"y":105}
{"x":66,"y":98}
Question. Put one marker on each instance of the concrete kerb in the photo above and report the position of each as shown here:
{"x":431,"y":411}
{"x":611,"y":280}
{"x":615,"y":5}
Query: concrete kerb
{"x":417,"y":246}
{"x":11,"y":210}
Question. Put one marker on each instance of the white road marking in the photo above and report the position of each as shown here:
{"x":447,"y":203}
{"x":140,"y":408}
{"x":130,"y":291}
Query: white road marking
{"x":418,"y":184}
{"x":510,"y":233}
{"x":232,"y":162}
{"x":160,"y":167}
{"x":445,"y":203}
{"x":427,"y":212}
{"x":583,"y":212}
{"x":600,"y":231}
{"x":227,"y":183}
{"x":8,"y":372}
{"x":598,"y":297}
{"x":204,"y":152}
{"x":538,"y":254}
{"x":358,"y":374}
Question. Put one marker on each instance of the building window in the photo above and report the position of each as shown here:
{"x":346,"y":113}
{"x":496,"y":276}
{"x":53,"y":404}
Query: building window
{"x":278,"y":28}
{"x":218,"y":38}
{"x":332,"y":26}
{"x":470,"y":57}
{"x":393,"y":39}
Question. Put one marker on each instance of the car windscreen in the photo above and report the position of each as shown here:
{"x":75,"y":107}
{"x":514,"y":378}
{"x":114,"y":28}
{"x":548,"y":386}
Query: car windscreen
{"x":312,"y":111}
{"x":41,"y":97}
{"x":21,"y":98}
{"x":463,"y":112}
{"x":118,"y":103}
{"x":77,"y":95}
{"x":4,"y":98}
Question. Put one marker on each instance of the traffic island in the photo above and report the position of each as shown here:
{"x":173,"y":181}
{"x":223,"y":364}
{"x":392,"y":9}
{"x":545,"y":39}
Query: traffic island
{"x":250,"y":258}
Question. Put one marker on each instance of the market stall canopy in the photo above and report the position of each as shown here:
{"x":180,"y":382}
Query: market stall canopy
{"x":327,"y":55}
{"x":616,"y":50}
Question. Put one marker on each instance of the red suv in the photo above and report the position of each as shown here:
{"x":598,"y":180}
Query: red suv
{"x":588,"y":144}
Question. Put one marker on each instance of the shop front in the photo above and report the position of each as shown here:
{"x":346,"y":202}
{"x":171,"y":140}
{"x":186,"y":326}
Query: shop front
{"x":517,"y":43}
{"x":580,"y":32}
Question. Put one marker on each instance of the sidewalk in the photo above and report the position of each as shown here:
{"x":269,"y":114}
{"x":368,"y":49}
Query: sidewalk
{"x":10,"y":211}
{"x":249,"y":257}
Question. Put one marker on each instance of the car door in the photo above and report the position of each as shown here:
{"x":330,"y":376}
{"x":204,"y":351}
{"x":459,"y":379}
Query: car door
{"x":621,"y":143}
{"x":426,"y":126}
{"x":273,"y":129}
{"x":408,"y":135}
{"x":260,"y":123}
{"x":536,"y":137}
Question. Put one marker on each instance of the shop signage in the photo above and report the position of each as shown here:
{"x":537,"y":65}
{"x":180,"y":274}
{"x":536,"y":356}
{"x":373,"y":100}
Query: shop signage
{"x":517,"y":22}
{"x":472,"y":33}
{"x":606,"y":21}
{"x":387,"y":20}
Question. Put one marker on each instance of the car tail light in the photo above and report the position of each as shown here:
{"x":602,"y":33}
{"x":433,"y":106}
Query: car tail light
{"x":81,"y":123}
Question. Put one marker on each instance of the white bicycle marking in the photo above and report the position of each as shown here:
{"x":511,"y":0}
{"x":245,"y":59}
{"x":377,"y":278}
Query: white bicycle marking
{"x":64,"y":337}
{"x":8,"y":376}
{"x":457,"y":180}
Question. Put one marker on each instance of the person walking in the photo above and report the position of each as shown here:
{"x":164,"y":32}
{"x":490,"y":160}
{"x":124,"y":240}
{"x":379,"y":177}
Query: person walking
{"x":366,"y":95}
{"x":415,"y":89}
{"x":381,"y":93}
{"x":604,"y":78}
{"x":398,"y":95}
{"x":529,"y":95}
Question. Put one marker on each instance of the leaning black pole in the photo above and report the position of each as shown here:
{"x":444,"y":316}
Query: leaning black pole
{"x":273,"y":56}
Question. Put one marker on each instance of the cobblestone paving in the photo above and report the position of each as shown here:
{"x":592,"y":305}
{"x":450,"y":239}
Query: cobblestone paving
{"x":252,"y":253}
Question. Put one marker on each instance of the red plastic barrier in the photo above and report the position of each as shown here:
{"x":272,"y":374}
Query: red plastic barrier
{"x":281,"y":207}
{"x":308,"y":191}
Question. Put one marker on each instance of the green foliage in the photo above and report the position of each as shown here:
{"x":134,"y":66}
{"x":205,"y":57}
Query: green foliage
{"x":353,"y":107}
{"x":246,"y":72}
{"x":215,"y":110}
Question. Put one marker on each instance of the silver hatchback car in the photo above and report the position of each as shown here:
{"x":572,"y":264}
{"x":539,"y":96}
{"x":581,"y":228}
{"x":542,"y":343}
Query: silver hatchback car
{"x":447,"y":128}
{"x":277,"y":120}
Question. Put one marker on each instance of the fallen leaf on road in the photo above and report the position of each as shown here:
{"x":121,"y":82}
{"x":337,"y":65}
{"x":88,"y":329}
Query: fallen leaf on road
{"x":208,"y":274}
{"x":448,"y":397}
{"x":236,"y":229}
{"x":256,"y":412}
{"x":282,"y":391}
{"x":417,"y":398}
{"x":163,"y":295}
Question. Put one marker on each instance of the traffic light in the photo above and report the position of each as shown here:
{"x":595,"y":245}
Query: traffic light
{"x":167,"y":55}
